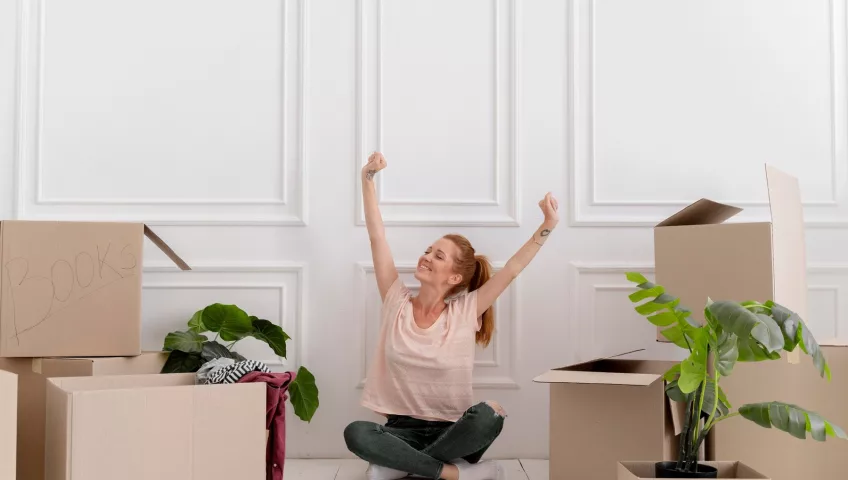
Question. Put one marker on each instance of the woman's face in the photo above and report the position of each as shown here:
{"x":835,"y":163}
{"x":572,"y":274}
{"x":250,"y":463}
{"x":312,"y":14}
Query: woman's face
{"x":436,"y":266}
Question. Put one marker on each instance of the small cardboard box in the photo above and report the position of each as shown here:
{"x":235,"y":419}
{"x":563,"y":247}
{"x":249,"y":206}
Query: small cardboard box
{"x":150,"y":427}
{"x":72,"y":288}
{"x":774,"y":452}
{"x":607,"y":409}
{"x":698,"y":257}
{"x":8,"y":424}
{"x":31,"y":396}
{"x":737,"y":470}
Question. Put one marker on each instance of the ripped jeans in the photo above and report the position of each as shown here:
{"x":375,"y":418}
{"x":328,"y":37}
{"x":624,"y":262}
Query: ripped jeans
{"x":420,"y":447}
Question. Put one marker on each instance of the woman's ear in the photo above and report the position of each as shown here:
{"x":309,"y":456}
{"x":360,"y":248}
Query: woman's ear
{"x":455,"y":279}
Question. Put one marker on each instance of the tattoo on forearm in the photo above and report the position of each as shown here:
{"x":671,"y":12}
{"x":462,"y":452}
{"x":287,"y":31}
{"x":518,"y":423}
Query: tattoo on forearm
{"x":545,"y":233}
{"x":370,"y":174}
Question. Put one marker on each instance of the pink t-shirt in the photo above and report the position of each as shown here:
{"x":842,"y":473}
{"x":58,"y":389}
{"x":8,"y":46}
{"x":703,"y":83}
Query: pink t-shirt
{"x":423,"y":373}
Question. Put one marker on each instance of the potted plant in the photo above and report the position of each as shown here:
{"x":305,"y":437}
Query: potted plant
{"x":733,"y":332}
{"x":190,"y":349}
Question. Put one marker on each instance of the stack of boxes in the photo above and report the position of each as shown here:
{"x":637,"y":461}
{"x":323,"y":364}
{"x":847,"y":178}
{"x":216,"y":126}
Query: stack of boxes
{"x":611,"y":410}
{"x":78,"y":397}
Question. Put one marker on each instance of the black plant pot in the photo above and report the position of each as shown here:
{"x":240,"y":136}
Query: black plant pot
{"x":669,"y":470}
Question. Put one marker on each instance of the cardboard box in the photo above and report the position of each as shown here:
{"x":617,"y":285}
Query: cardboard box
{"x":31,"y":397}
{"x":737,"y":470}
{"x":151,"y":427}
{"x":72,"y":288}
{"x":8,"y":424}
{"x":699,"y":257}
{"x":605,"y":410}
{"x":774,"y":452}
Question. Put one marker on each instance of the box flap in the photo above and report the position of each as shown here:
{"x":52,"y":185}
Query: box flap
{"x":702,"y":212}
{"x":581,"y":373}
{"x":788,"y":246}
{"x":118,"y":382}
{"x":8,"y":423}
{"x":165,"y":248}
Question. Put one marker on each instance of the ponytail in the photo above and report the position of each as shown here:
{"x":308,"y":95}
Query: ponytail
{"x":482,"y":274}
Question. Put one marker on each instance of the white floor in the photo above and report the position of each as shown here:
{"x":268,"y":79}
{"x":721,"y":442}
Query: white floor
{"x":298,"y":469}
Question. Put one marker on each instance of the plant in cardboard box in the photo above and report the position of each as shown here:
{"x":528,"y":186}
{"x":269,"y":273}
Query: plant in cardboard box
{"x":733,"y":332}
{"x":190,"y":349}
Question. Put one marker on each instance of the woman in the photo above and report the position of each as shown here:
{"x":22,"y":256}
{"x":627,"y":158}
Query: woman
{"x":421,"y":375}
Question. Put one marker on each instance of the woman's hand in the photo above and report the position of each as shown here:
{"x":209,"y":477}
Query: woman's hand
{"x":549,"y":208}
{"x":376,"y":162}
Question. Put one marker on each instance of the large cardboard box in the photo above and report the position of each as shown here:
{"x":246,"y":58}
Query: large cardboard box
{"x":31,"y":396}
{"x":737,"y":470}
{"x":8,"y":424}
{"x":151,"y":427}
{"x":72,"y":288}
{"x":777,"y":454}
{"x":607,"y":410}
{"x":698,"y":257}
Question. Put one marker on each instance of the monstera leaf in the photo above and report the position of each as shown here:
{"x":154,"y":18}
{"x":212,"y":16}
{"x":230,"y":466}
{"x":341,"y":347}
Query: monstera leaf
{"x":188,"y":342}
{"x":791,"y":419}
{"x":229,"y":321}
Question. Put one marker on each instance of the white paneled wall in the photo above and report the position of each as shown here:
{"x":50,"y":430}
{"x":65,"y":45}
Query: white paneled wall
{"x":238,"y":128}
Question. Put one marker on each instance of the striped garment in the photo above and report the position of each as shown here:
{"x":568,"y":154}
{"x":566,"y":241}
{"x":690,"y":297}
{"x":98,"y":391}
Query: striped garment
{"x":233,"y":373}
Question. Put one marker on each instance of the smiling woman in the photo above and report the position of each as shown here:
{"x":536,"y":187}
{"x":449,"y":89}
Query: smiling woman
{"x":421,"y":375}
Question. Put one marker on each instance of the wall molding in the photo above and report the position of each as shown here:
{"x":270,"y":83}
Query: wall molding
{"x":369,"y":129}
{"x":497,"y":382}
{"x":586,"y":210}
{"x":30,"y":198}
{"x":298,"y":297}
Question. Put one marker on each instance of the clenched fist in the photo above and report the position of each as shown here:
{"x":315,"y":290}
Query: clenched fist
{"x":376,"y":162}
{"x":549,"y":208}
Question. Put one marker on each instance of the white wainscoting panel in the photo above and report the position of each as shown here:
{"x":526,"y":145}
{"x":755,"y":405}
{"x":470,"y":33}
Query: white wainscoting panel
{"x":657,"y":124}
{"x":193,"y":122}
{"x":493,"y":366}
{"x":437,"y":95}
{"x":271,"y":292}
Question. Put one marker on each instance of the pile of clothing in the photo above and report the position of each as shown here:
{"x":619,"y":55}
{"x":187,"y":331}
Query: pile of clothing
{"x":226,"y":370}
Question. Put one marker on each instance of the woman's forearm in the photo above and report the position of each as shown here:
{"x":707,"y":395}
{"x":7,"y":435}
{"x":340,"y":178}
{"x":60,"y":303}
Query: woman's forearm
{"x":373,"y":218}
{"x":519,"y":261}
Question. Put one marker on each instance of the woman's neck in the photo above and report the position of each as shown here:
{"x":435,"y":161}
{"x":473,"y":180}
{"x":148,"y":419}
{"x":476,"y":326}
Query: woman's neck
{"x":430,"y":300}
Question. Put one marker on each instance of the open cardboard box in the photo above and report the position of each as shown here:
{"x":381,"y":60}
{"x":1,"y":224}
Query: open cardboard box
{"x":72,"y":288}
{"x":697,"y":256}
{"x":731,"y":470}
{"x":31,"y":385}
{"x":150,"y":427}
{"x":606,"y":410}
{"x":8,"y":424}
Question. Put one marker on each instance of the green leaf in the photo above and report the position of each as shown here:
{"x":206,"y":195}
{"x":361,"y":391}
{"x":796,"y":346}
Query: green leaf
{"x":648,"y":308}
{"x":636,"y":278}
{"x":710,"y":392}
{"x":271,"y":334}
{"x":182,"y":362}
{"x":640,"y":295}
{"x":693,"y":370}
{"x":751,"y":351}
{"x":675,"y":336}
{"x":727,"y":353}
{"x":736,"y":319}
{"x":672,"y":373}
{"x":304,"y":394}
{"x":237,"y":356}
{"x":811,"y":347}
{"x":663,"y":319}
{"x":195,"y":324}
{"x":672,"y":389}
{"x":788,"y":322}
{"x":723,"y":398}
{"x":188,"y":342}
{"x":213,"y":350}
{"x":228,"y":321}
{"x":791,"y":419}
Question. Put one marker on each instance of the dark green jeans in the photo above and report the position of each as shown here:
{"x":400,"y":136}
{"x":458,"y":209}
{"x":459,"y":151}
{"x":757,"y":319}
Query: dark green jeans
{"x":422,"y":448}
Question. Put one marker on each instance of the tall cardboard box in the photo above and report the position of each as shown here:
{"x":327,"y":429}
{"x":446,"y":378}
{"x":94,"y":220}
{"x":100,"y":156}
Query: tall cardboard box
{"x":152,"y":427}
{"x":698,"y":257}
{"x":31,"y":396}
{"x":607,"y":410}
{"x":777,"y":454}
{"x":8,"y":424}
{"x":72,"y":288}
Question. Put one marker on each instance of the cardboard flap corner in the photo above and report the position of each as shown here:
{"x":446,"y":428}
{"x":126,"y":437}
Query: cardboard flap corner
{"x":577,"y":374}
{"x":701,"y":212}
{"x":165,"y":248}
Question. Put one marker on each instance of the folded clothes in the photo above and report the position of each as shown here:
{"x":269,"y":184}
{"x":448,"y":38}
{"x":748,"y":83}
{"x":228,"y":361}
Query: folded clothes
{"x":233,"y":373}
{"x":211,"y":366}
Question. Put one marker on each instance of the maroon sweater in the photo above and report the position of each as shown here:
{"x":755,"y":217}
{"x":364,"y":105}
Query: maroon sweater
{"x":275,"y":418}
